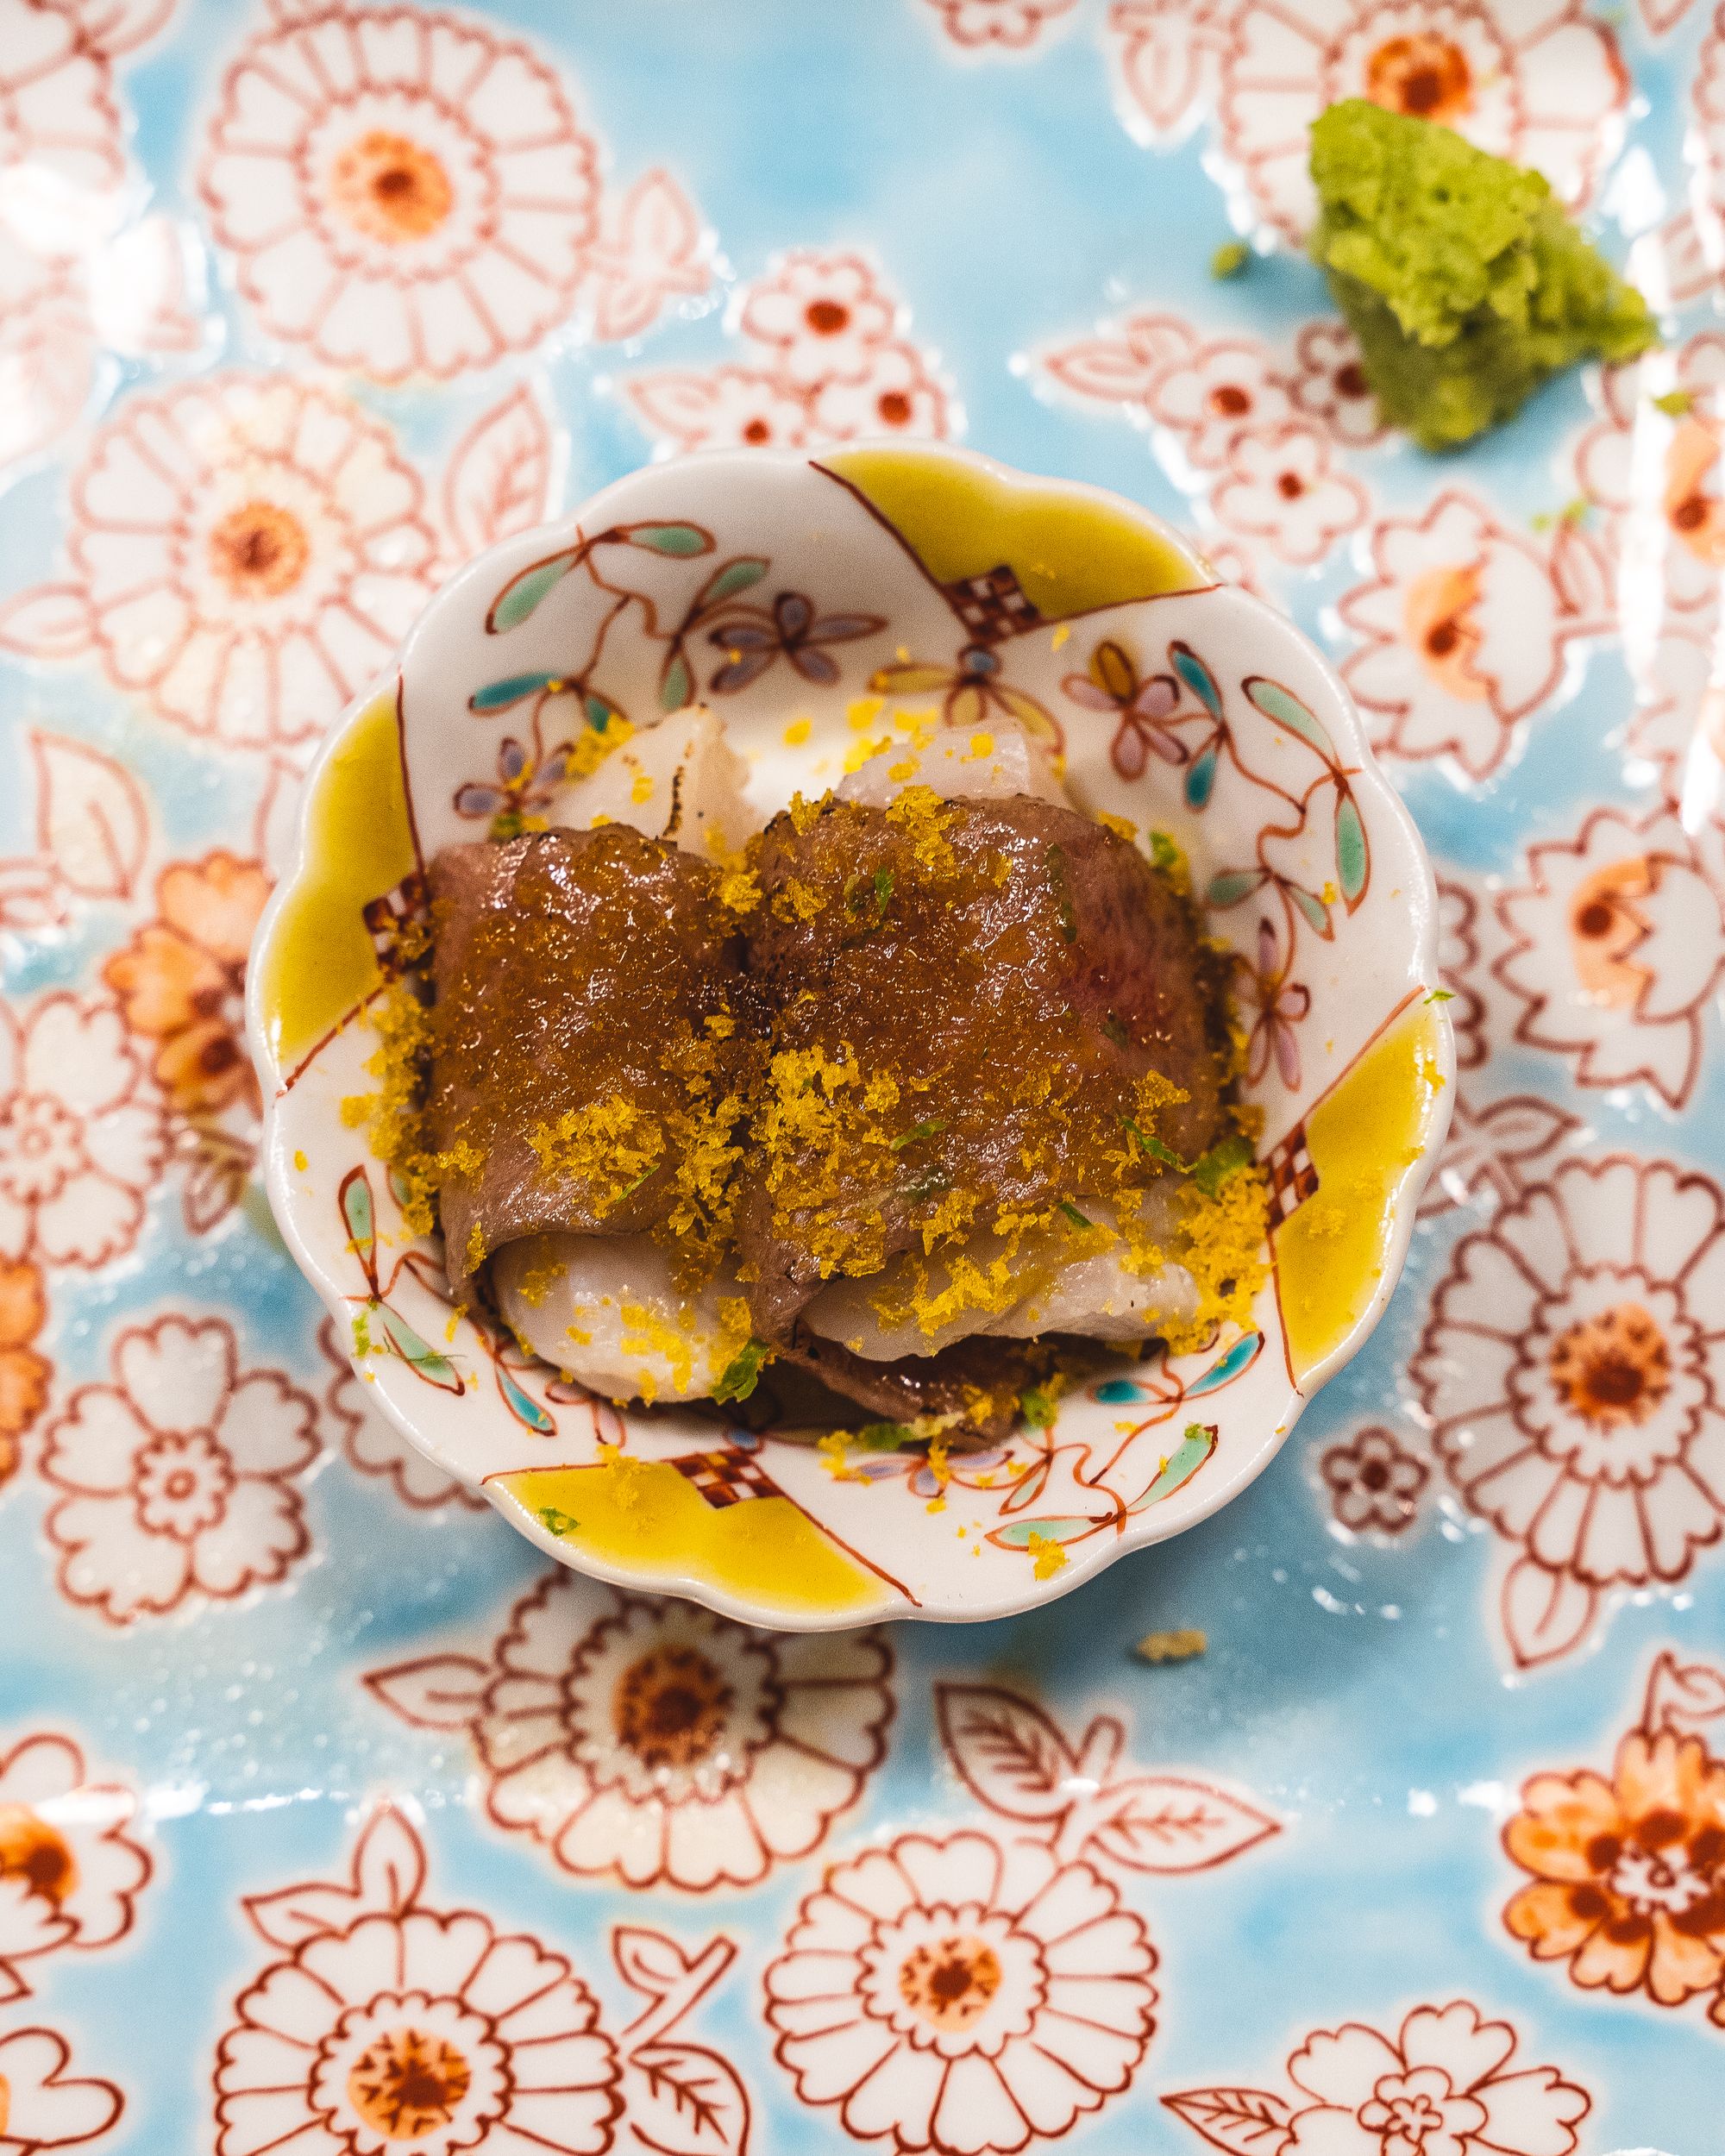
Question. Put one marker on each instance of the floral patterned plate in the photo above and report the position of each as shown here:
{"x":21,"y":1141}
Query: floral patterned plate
{"x":826,"y":606}
{"x":1378,"y":1815}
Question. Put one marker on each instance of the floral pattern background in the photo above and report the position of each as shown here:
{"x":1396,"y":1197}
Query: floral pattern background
{"x":1385,"y":1814}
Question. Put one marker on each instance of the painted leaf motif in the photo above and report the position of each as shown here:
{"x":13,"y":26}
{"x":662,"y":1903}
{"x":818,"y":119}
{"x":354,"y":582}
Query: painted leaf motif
{"x":1005,"y":1751}
{"x":1201,"y":780}
{"x":1286,"y":709}
{"x":389,"y":1864}
{"x":524,"y":1408}
{"x":648,"y":1961}
{"x":1227,"y":1366}
{"x":498,"y":696}
{"x":672,"y":539}
{"x":1244,"y":2122}
{"x":1353,"y":859}
{"x":679,"y":405}
{"x":685,"y":2101}
{"x":1164,"y":1823}
{"x":1545,"y":1614}
{"x":1312,"y":907}
{"x":92,"y":820}
{"x":499,"y":477}
{"x":1197,"y":677}
{"x":1104,"y":368}
{"x":599,"y":714}
{"x":1684,"y":1697}
{"x":439,"y":1691}
{"x":524,"y":592}
{"x":736,"y":576}
{"x":424,"y":1360}
{"x":675,"y":686}
{"x":47,"y":621}
{"x":1230,"y":885}
{"x":296,"y":1914}
{"x":361,"y":1219}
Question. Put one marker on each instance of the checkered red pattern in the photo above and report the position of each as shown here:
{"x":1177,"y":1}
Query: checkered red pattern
{"x":726,"y":1478}
{"x":1293,"y":1178}
{"x":385,"y":918}
{"x":993,"y":605}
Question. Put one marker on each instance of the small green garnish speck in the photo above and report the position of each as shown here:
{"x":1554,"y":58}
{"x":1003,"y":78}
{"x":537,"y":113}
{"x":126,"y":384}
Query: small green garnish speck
{"x":1212,"y":1169}
{"x":362,"y":1331}
{"x":1163,"y":853}
{"x":1152,"y":1148}
{"x":1442,"y":996}
{"x":932,"y":1128}
{"x":1674,"y":404}
{"x":556,"y":1522}
{"x":1038,"y":1407}
{"x":1112,"y":1030}
{"x":742,"y":1373}
{"x":1072,"y":1213}
{"x":1055,"y":859}
{"x":884,"y":1437}
{"x":1230,"y":258}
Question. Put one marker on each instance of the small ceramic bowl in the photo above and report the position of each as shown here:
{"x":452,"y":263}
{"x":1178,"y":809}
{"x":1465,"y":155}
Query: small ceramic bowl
{"x":817,"y":602}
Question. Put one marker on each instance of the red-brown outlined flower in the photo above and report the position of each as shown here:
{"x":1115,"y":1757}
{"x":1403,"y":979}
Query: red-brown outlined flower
{"x":80,"y":1142}
{"x":1164,"y":54}
{"x":729,"y":407}
{"x":1466,"y":633}
{"x":1278,"y":1004}
{"x":69,"y":1871}
{"x":654,"y":1741}
{"x":25,"y":1376}
{"x":41,"y":2105}
{"x":245,"y":553}
{"x":1216,"y":392}
{"x":402,"y":192}
{"x":1573,"y":1369}
{"x":1543,"y":87}
{"x":983,"y":1990}
{"x":1628,"y":1870}
{"x":376,"y":1447}
{"x":181,"y":1478}
{"x":1329,"y":384}
{"x":1488,"y":1148}
{"x":651,"y":249}
{"x":1117,"y":366}
{"x":1373,"y":1483}
{"x":821,"y":317}
{"x":1618,"y":940}
{"x":61,"y":140}
{"x":1680,"y":722}
{"x":387,"y":2022}
{"x":1143,"y":707}
{"x":1281,"y":487}
{"x":47,"y":350}
{"x":1442,"y":2085}
{"x":998,"y":26}
{"x":899,"y":395}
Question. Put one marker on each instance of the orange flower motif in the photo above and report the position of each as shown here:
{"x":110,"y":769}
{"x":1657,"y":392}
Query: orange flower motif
{"x":24,"y":1374}
{"x":181,"y":981}
{"x":1628,"y":1875}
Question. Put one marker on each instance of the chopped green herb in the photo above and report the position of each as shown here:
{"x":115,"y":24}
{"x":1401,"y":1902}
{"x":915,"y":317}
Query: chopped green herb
{"x":932,"y":1183}
{"x":883,"y":1437}
{"x":558,"y":1523}
{"x":742,"y":1373}
{"x":1442,"y":996}
{"x":1230,"y":258}
{"x":362,"y":1331}
{"x":1163,"y":853}
{"x":1212,"y":1169}
{"x":883,"y":888}
{"x":1674,"y":404}
{"x":914,"y":1136}
{"x":1055,"y":858}
{"x":1112,"y":1030}
{"x":1072,"y":1213}
{"x":631,"y":1189}
{"x":1152,"y":1148}
{"x":1039,"y":1407}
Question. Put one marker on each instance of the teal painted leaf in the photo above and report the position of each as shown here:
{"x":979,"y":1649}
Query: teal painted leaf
{"x":599,"y":714}
{"x":424,"y":1361}
{"x":361,"y":1221}
{"x":1122,"y":1392}
{"x":1223,"y":1371}
{"x":1286,"y":709}
{"x":736,"y":576}
{"x":1353,"y":857}
{"x":523,"y":593}
{"x":674,"y":539}
{"x":522,"y":1408}
{"x":1233,"y":885}
{"x":1197,"y":677}
{"x":1312,"y":907}
{"x":1016,"y":1534}
{"x":677,"y":687}
{"x":498,"y":696}
{"x":1181,"y":1465}
{"x":1200,"y":777}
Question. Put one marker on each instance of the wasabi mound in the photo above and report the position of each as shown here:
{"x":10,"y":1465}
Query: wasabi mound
{"x":1464,"y":281}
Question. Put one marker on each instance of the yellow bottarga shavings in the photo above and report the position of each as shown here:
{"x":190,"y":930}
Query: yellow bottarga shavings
{"x":392,"y":1114}
{"x":608,"y":1145}
{"x":1223,"y":1244}
{"x":1047,"y":1555}
{"x":592,"y":745}
{"x":1180,"y":1643}
{"x":645,"y":1333}
{"x":925,"y":820}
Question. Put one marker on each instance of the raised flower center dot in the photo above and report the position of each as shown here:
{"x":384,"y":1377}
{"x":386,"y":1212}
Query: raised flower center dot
{"x":38,"y":1854}
{"x":40,"y":1147}
{"x":825,"y":317}
{"x":1290,"y":486}
{"x":391,"y":188}
{"x":1424,"y":75}
{"x":1229,"y":401}
{"x":757,"y":432}
{"x":405,"y":2084}
{"x":1612,"y":1368}
{"x":951,"y":1980}
{"x":259,"y":550}
{"x":1350,"y":379}
{"x":1647,"y":1881}
{"x":895,"y":408}
{"x":670,"y":1708}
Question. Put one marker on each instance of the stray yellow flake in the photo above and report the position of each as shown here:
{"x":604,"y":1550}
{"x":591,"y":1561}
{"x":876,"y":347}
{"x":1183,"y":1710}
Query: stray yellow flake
{"x":935,"y":1504}
{"x":1179,"y":1645}
{"x":1047,"y":1555}
{"x":1330,"y":893}
{"x":797,"y":732}
{"x":898,"y":773}
{"x":864,"y":752}
{"x":1061,"y":635}
{"x":739,"y":891}
{"x":641,"y":789}
{"x":1325,"y":1217}
{"x":453,"y":1327}
{"x":981,"y":745}
{"x":476,"y":1247}
{"x":832,"y":1451}
{"x":594,"y":746}
{"x":300,"y":1161}
{"x":597,"y":820}
{"x":1122,"y":826}
{"x":861,"y":712}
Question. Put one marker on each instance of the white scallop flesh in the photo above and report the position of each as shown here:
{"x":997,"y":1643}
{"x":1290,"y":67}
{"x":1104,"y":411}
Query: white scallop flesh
{"x":680,"y":779}
{"x":985,"y":763}
{"x":605,"y":1309}
{"x":1096,"y":1296}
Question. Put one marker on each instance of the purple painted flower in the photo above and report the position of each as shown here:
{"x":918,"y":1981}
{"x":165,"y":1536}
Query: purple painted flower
{"x":794,"y":630}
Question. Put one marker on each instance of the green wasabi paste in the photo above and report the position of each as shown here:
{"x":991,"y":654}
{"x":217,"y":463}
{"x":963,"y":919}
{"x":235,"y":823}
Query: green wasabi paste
{"x":1464,"y":281}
